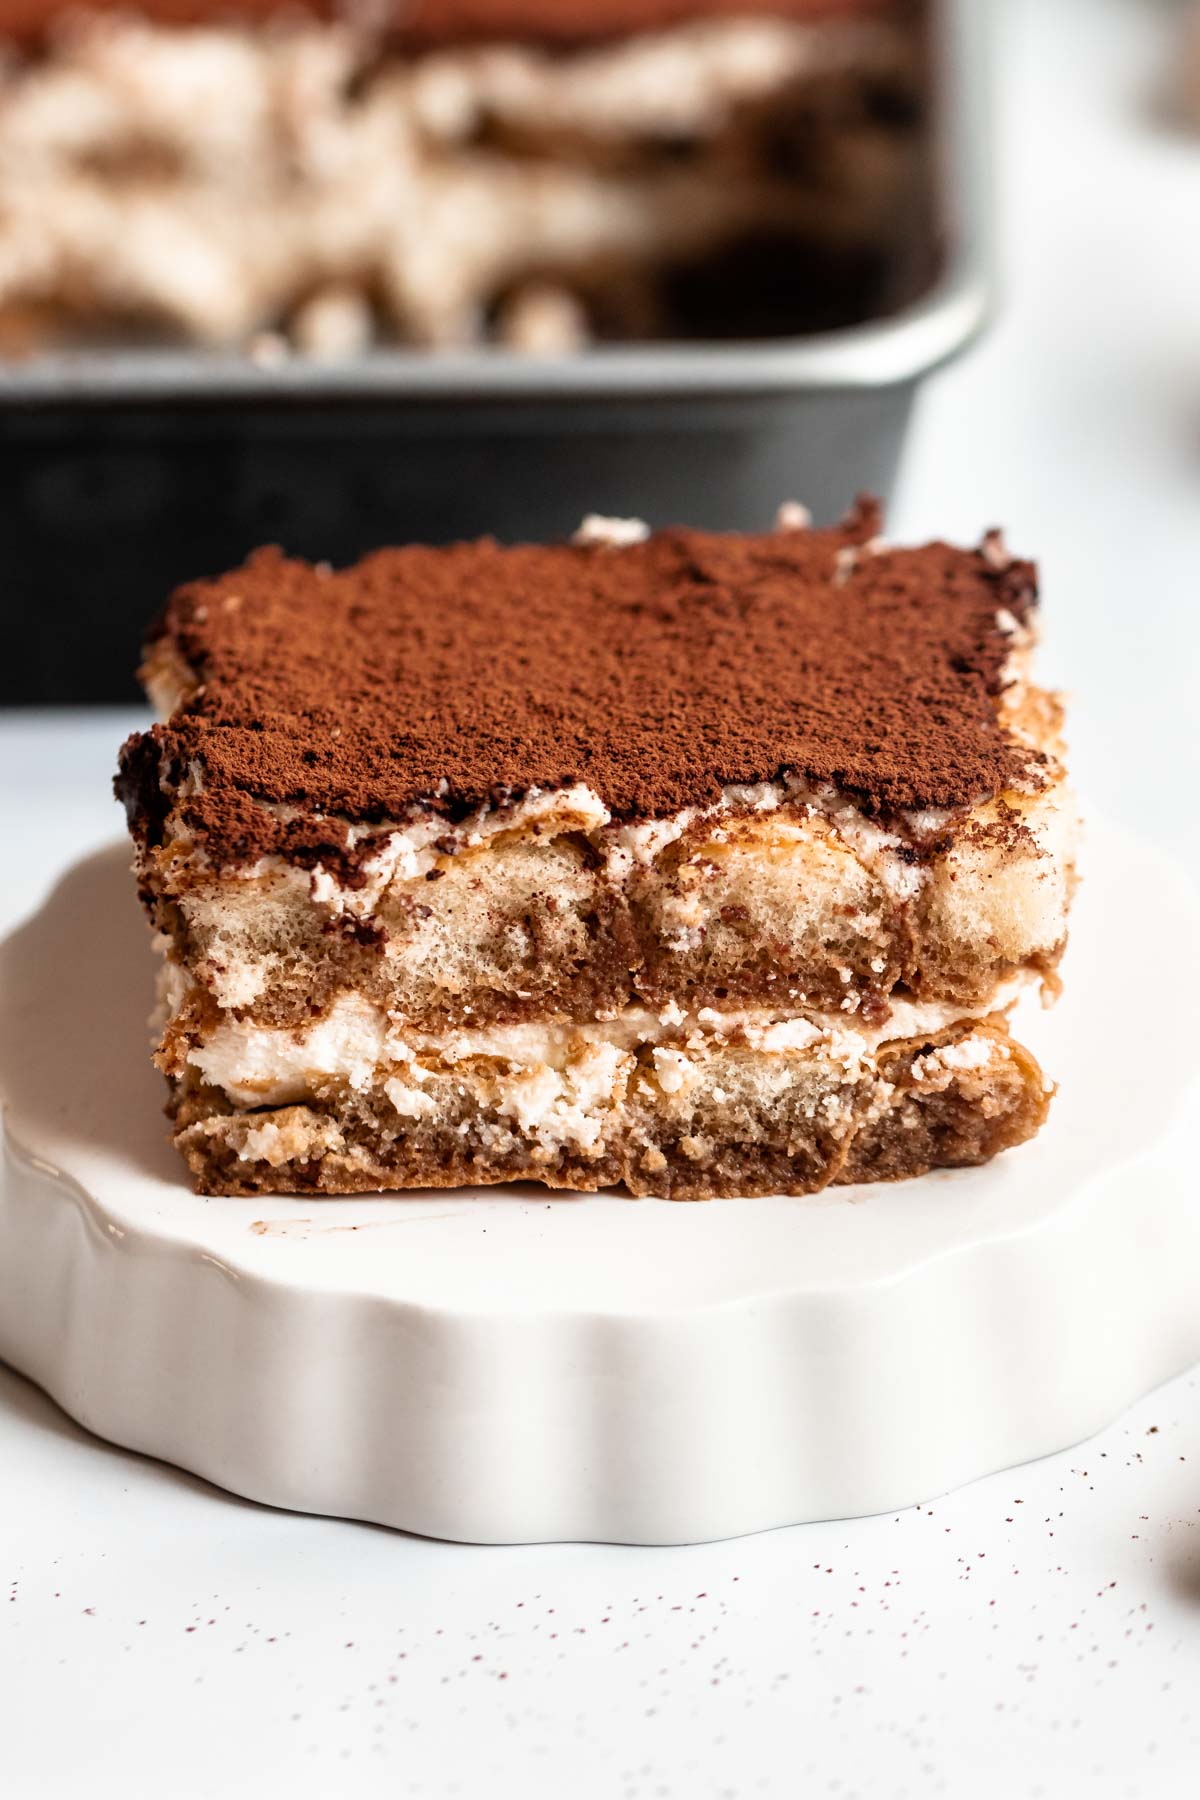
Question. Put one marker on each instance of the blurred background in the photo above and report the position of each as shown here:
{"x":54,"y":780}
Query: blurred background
{"x":454,"y":267}
{"x":488,"y":264}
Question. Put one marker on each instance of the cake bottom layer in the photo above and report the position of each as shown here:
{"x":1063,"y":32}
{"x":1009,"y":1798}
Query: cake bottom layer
{"x":728,"y":1120}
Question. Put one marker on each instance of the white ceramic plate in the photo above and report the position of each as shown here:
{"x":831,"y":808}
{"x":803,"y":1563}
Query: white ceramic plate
{"x":507,"y":1366}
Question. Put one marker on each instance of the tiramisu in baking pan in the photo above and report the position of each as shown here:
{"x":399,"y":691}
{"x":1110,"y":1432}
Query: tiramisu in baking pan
{"x":703,"y":864}
{"x":307,"y":283}
{"x":510,"y":171}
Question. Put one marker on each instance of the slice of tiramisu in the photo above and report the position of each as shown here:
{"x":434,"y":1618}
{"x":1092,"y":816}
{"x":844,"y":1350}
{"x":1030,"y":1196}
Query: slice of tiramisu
{"x":704,"y":864}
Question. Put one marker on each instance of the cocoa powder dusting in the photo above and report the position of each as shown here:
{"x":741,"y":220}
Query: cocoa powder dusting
{"x":657,"y":674}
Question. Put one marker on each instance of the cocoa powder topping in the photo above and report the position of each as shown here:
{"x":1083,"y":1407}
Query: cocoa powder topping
{"x":657,"y":673}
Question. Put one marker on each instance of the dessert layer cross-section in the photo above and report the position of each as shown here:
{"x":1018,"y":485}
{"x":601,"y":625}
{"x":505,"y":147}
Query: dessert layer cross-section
{"x":706,"y":864}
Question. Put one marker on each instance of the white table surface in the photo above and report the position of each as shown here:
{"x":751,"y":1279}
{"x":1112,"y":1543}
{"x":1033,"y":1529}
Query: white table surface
{"x":1037,"y":1634}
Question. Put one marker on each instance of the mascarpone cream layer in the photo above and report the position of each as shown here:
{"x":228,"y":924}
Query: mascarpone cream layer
{"x":410,"y":850}
{"x":359,"y":1045}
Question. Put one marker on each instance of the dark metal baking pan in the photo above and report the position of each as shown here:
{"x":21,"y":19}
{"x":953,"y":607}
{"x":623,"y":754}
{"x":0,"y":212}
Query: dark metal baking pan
{"x":125,"y":472}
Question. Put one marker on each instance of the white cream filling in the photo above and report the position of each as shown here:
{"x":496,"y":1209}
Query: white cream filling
{"x":968,"y":1053}
{"x":409,"y":851}
{"x":599,"y":531}
{"x":356,"y":1043}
